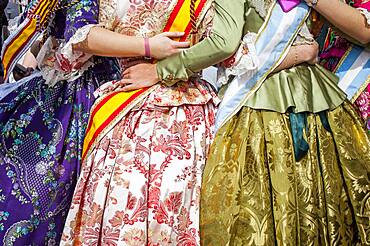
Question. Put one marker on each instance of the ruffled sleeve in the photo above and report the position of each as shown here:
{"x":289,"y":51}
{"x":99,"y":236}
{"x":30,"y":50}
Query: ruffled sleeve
{"x":244,"y":61}
{"x":304,"y":36}
{"x":57,"y":59}
{"x":81,"y":17}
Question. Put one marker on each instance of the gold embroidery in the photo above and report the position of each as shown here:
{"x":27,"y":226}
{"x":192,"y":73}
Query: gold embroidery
{"x":255,"y":193}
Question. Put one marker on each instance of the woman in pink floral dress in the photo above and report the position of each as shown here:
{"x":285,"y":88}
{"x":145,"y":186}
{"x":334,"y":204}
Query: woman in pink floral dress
{"x":141,"y":175}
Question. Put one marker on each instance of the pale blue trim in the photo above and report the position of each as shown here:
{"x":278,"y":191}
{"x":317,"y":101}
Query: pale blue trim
{"x":360,"y":79}
{"x":350,"y":59}
{"x":346,"y":67}
{"x":284,"y":39}
{"x":7,"y":88}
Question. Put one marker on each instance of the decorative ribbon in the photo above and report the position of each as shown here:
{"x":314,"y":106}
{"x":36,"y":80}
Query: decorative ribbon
{"x":354,"y":71}
{"x":273,"y":42}
{"x":37,"y":19}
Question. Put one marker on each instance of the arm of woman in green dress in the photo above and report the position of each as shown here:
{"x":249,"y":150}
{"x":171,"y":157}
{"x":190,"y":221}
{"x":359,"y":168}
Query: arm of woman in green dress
{"x":346,"y":18}
{"x":145,"y":75}
{"x":222,"y":43}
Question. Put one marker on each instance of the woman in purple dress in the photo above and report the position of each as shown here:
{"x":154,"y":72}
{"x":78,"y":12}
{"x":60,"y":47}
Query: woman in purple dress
{"x":43,"y":121}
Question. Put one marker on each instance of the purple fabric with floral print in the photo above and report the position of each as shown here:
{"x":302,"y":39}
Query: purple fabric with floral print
{"x":42,"y":131}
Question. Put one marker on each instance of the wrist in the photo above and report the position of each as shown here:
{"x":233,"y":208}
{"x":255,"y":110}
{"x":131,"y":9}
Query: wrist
{"x":306,"y":54}
{"x":147,"y":51}
{"x":312,"y":3}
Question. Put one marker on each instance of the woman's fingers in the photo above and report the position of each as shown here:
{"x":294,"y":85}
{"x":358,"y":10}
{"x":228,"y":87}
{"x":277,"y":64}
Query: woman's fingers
{"x":172,"y":34}
{"x":177,"y":44}
{"x":130,"y":84}
{"x":126,"y":71}
{"x":126,"y":76}
{"x":130,"y":87}
{"x":175,"y":51}
{"x":134,"y":86}
{"x":124,"y":82}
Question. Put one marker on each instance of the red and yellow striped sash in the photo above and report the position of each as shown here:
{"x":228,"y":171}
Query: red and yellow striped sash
{"x":17,"y":44}
{"x":107,"y":111}
{"x":179,"y":19}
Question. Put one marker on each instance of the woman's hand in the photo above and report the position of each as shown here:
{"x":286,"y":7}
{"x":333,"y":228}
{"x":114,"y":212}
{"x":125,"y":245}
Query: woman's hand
{"x":162,"y":45}
{"x":309,"y":53}
{"x":139,"y":76}
{"x":136,"y":77}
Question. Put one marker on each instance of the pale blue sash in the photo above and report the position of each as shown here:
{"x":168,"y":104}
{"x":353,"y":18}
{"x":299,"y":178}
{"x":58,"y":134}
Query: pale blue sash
{"x":274,"y":39}
{"x":354,"y":71}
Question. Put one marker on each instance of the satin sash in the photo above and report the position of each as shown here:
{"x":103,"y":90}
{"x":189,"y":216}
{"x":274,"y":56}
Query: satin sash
{"x":110,"y":109}
{"x":274,"y":39}
{"x":16,"y":45}
{"x":354,"y":71}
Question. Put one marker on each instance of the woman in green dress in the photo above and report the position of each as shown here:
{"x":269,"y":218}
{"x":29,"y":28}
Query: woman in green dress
{"x":291,"y":166}
{"x":290,"y":162}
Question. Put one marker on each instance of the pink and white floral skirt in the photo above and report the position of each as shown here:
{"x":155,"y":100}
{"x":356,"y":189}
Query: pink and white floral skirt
{"x":141,"y":184}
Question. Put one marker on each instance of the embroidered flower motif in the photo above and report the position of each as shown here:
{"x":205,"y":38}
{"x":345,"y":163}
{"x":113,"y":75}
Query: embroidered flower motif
{"x":173,"y":202}
{"x":275,"y":127}
{"x":10,"y":174}
{"x":135,"y":237}
{"x":4,"y":215}
{"x":41,"y":168}
{"x":60,"y":169}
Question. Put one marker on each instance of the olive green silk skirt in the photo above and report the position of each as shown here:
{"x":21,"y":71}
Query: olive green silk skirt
{"x":256,"y":192}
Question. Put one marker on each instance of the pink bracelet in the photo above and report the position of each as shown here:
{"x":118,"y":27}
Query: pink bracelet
{"x":147,"y":48}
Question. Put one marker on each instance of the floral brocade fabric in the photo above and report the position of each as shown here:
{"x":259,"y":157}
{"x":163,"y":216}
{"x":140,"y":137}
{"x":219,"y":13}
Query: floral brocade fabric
{"x":141,"y":183}
{"x":363,"y":104}
{"x":255,"y":193}
{"x":41,"y":135}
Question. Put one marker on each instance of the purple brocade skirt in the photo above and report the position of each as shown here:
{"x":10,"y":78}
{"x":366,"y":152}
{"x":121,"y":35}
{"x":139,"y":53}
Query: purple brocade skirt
{"x":42,"y":131}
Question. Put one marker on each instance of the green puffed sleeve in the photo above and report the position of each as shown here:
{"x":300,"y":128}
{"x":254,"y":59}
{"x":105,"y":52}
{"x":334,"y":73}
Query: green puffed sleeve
{"x":223,"y":41}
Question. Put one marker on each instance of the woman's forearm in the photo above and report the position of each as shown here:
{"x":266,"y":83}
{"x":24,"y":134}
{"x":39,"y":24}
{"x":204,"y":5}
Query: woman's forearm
{"x":346,"y":18}
{"x":29,"y":60}
{"x":298,"y":55}
{"x":290,"y":60}
{"x":103,"y":42}
{"x":224,"y":40}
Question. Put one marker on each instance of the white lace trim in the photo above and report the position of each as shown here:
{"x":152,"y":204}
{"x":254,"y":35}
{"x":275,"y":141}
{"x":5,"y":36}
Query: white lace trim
{"x":245,"y":62}
{"x":67,"y":49}
{"x":365,"y":13}
{"x":57,"y":60}
{"x":304,"y":36}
